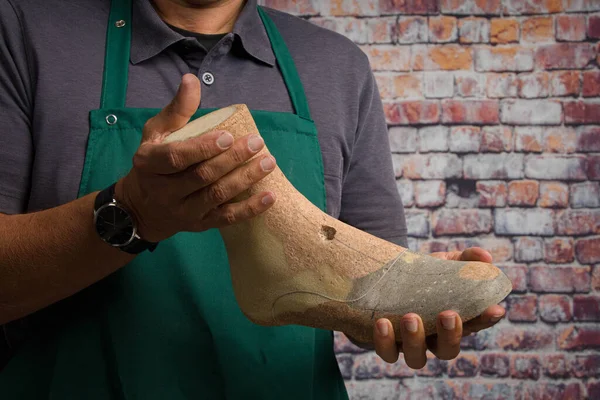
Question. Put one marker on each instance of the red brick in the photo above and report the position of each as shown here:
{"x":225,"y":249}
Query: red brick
{"x":495,"y":364}
{"x":591,"y":83}
{"x":504,"y":30}
{"x":368,"y":366}
{"x":525,"y":366}
{"x":504,"y":58}
{"x":522,"y":308}
{"x":491,"y":193}
{"x":354,"y":29}
{"x":585,"y":195}
{"x":523,"y":221}
{"x":592,"y":168}
{"x":554,"y":195}
{"x":418,"y":223}
{"x":588,"y":250}
{"x":496,"y":139}
{"x":481,"y":340}
{"x":523,"y":193}
{"x":412,"y":30}
{"x":432,"y":166}
{"x":514,"y":337}
{"x":476,"y":7}
{"x":297,"y":7}
{"x":531,"y":6}
{"x":442,"y":29}
{"x":381,"y":29}
{"x":531,"y":112}
{"x":469,"y":84}
{"x":560,"y":140}
{"x":559,"y":250}
{"x":398,"y":369}
{"x":580,"y":5}
{"x":528,"y":249}
{"x":556,"y":366}
{"x":502,"y":85}
{"x":552,"y":391}
{"x":517,"y":275}
{"x":353,"y":7}
{"x":470,"y":111}
{"x":407,"y":86}
{"x":537,"y":29}
{"x":500,"y":249}
{"x":412,"y":112}
{"x":579,"y":338}
{"x":570,"y":27}
{"x":586,"y":308}
{"x":578,"y":222}
{"x":586,"y":366}
{"x":343,"y":345}
{"x":596,"y":278}
{"x":465,"y":365}
{"x":409,"y":6}
{"x":433,"y":138}
{"x":493,"y":166}
{"x":430,"y":193}
{"x":433,"y":246}
{"x":461,"y":222}
{"x":564,"y":83}
{"x":439,"y":84}
{"x":529,"y":139}
{"x":474,"y":30}
{"x":384,"y":84}
{"x":448,"y":57}
{"x":534,"y":85}
{"x":434,"y":367}
{"x":559,"y":279}
{"x":564,"y":55}
{"x":593,"y":30}
{"x":388,"y":57}
{"x":593,"y":389}
{"x":561,"y":167}
{"x":555,"y":308}
{"x":465,"y":139}
{"x":588,"y":139}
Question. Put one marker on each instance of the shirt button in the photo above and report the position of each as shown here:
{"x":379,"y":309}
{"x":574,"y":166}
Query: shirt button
{"x":208,"y":78}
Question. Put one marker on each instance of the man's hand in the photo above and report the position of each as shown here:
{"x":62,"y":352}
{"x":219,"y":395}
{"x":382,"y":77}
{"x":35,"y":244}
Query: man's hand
{"x":183,"y":186}
{"x":450,"y":329}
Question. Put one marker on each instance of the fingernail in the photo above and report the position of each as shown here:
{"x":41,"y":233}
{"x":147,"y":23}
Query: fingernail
{"x":449,"y":323}
{"x":411,"y":325}
{"x":225,"y":140}
{"x":496,"y":318}
{"x":268,"y":199}
{"x":382,"y":328}
{"x":267,"y":163}
{"x":255,"y":143}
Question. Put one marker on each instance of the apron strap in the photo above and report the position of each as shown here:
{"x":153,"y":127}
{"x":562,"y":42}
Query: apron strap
{"x":116,"y":58}
{"x":287,"y":67}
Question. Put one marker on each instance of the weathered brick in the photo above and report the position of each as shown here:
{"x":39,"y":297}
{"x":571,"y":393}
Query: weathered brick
{"x":406,"y":191}
{"x":518,"y":7}
{"x":343,"y":345}
{"x":596,"y":278}
{"x":554,"y":195}
{"x":386,"y":388}
{"x":439,"y":84}
{"x":564,"y":55}
{"x":481,"y":340}
{"x":517,"y":275}
{"x":345,"y":362}
{"x":417,"y":223}
{"x":434,"y":389}
{"x":476,"y":389}
{"x":384,"y":84}
{"x":581,"y":5}
{"x":559,"y":250}
{"x":593,"y":30}
{"x":368,"y":366}
{"x":504,"y":30}
{"x":591,"y":84}
{"x":570,"y":27}
{"x":555,"y":308}
{"x":403,"y":139}
{"x":525,"y":366}
{"x":432,"y":166}
{"x":398,"y":369}
{"x":388,"y":58}
{"x":586,"y":366}
{"x":560,"y":140}
{"x":505,"y":58}
{"x":430,"y":193}
{"x":432,"y":246}
{"x":352,"y":7}
{"x":552,"y":391}
{"x":559,"y":279}
{"x":588,"y":139}
{"x":467,"y":7}
{"x":502,"y":85}
{"x":464,"y":365}
{"x":461,"y":193}
{"x":586,"y":308}
{"x":537,"y":29}
{"x":448,"y":57}
{"x":461,"y":222}
{"x":529,"y":139}
{"x":528,"y":249}
{"x":593,"y":389}
{"x":531,"y":112}
{"x":412,"y":112}
{"x":519,"y":221}
{"x":534,"y":85}
{"x":588,"y":250}
{"x":513,"y":337}
{"x":492,"y":193}
{"x":579,"y":337}
{"x":522,"y":308}
{"x":592,"y":167}
{"x":298,"y":7}
{"x":496,"y":139}
{"x":381,"y":29}
{"x":398,"y":161}
{"x":556,"y":365}
{"x":470,"y":111}
{"x":434,"y":367}
{"x":469,"y":84}
{"x":556,"y":167}
{"x":474,"y":30}
{"x":412,"y":30}
{"x":409,"y":6}
{"x":493,"y":166}
{"x":407,"y":85}
{"x":495,"y":364}
{"x":465,"y":139}
{"x":353,"y":28}
{"x":523,"y":193}
{"x":585,"y":195}
{"x":564,"y":83}
{"x":433,"y":138}
{"x":500,"y":249}
{"x":442,"y":29}
{"x":578,"y":222}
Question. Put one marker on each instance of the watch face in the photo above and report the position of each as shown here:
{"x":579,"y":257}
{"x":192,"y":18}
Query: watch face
{"x":114,"y":225}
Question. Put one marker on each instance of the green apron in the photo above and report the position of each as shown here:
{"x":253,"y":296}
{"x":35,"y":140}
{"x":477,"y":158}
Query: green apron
{"x":167,"y":325}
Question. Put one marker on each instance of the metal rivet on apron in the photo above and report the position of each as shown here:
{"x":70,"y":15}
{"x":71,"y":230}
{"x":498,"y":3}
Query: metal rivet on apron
{"x":120,"y":23}
{"x":208,"y":78}
{"x":111,"y":119}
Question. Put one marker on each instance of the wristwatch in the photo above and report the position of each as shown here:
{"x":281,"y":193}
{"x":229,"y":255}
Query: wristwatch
{"x":115,"y":224}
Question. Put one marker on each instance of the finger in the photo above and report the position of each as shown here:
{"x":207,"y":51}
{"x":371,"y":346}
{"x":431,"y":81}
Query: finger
{"x":476,"y":254}
{"x":177,"y":113}
{"x":205,"y":173}
{"x":487,"y":319}
{"x":385,"y":342}
{"x":229,"y":214}
{"x":413,"y":341}
{"x":170,"y":158}
{"x":449,"y":334}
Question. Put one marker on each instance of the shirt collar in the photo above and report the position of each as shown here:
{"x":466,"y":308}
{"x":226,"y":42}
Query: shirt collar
{"x":150,"y":35}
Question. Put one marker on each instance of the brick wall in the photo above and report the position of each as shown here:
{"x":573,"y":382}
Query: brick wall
{"x":493,"y":109}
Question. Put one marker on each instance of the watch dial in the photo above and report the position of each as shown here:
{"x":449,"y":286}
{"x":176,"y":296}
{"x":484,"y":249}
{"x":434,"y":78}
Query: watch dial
{"x":114,"y":225}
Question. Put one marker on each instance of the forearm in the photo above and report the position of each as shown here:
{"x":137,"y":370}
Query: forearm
{"x":49,"y":255}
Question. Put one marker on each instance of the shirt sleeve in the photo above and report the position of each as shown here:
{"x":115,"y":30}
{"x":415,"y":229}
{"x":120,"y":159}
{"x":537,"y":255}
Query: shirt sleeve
{"x":370,"y":198}
{"x":16,"y":148}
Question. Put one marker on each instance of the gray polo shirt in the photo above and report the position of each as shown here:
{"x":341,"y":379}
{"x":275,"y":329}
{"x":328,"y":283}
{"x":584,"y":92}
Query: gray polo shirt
{"x":51,"y":63}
